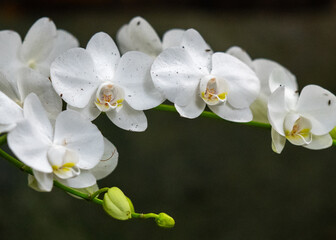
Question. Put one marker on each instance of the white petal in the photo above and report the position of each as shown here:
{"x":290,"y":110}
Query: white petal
{"x":10,"y":43}
{"x":129,"y":119}
{"x":39,"y":41}
{"x":30,"y":146}
{"x":175,"y":74}
{"x":31,"y":81}
{"x":105,"y":55}
{"x":36,"y":115}
{"x":172,"y":38}
{"x":8,"y":88}
{"x":45,"y":181}
{"x":198,"y":49}
{"x":90,"y":111}
{"x":319,"y":106}
{"x":74,"y":78}
{"x":277,"y":110}
{"x":6,"y":127}
{"x":139,"y":35}
{"x":62,"y":43}
{"x":108,"y":162}
{"x":193,"y":109}
{"x":80,"y":135}
{"x":278,"y":141}
{"x":241,"y":55}
{"x":230,"y":113}
{"x":83,"y":180}
{"x":133,"y":74}
{"x":320,"y":142}
{"x":264,"y":68}
{"x":280,"y":77}
{"x":243,"y":83}
{"x":10,"y":112}
{"x":259,"y":110}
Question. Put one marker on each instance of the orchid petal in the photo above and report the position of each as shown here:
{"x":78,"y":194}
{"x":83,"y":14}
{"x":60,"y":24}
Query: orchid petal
{"x":193,"y":109}
{"x":105,"y":55}
{"x":172,"y":38}
{"x":241,"y":55}
{"x":108,"y":162}
{"x":39,"y":41}
{"x":36,"y":115}
{"x":10,"y":43}
{"x":43,"y":181}
{"x":226,"y":111}
{"x":10,"y":112}
{"x":30,"y":145}
{"x":175,"y":74}
{"x":320,"y":142}
{"x":31,"y":81}
{"x":278,"y":141}
{"x":90,"y":111}
{"x":277,"y":110}
{"x":83,"y":180}
{"x":243,"y":83}
{"x":129,"y":119}
{"x":73,"y":77}
{"x":198,"y":50}
{"x":80,"y":135}
{"x":139,"y":35}
{"x":319,"y":106}
{"x":133,"y":74}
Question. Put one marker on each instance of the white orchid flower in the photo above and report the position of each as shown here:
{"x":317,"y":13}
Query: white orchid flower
{"x":106,"y":166}
{"x":96,"y":79}
{"x":304,"y":120}
{"x":192,"y":76}
{"x":42,"y":44}
{"x":139,"y":35}
{"x":65,"y":153}
{"x":264,"y":69}
{"x":13,"y":94}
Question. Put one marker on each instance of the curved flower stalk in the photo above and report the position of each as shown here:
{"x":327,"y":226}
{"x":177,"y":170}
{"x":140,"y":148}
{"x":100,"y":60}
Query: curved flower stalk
{"x":264,"y":68}
{"x":65,"y":153}
{"x":96,"y":79}
{"x":139,"y":35}
{"x":192,"y":76}
{"x":305,"y":120}
{"x":42,"y":44}
{"x":13,"y":94}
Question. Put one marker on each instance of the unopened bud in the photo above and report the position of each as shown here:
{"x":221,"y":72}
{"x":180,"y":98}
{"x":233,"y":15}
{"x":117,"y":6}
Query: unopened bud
{"x":165,"y":221}
{"x":116,"y":204}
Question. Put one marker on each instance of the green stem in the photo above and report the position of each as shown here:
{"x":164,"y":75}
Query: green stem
{"x":96,"y":194}
{"x":171,"y":108}
{"x":144,"y":215}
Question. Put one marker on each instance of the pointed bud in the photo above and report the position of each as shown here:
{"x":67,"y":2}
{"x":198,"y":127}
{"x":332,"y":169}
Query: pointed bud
{"x":165,"y":221}
{"x":116,"y":204}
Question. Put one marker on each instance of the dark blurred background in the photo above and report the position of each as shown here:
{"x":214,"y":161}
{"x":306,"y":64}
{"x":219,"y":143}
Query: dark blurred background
{"x":219,"y":180}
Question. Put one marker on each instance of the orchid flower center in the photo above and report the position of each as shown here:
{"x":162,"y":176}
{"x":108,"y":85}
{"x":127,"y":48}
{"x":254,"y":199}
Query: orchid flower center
{"x":297,"y":129}
{"x":109,"y":97}
{"x":213,"y":90}
{"x":32,"y":64}
{"x":63,"y":162}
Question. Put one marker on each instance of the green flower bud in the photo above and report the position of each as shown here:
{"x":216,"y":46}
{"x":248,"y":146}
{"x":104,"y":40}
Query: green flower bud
{"x":116,"y":204}
{"x":333,"y":133}
{"x":165,"y":221}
